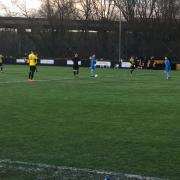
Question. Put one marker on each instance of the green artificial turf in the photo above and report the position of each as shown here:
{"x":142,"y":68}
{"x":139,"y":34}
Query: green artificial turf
{"x":115,"y":122}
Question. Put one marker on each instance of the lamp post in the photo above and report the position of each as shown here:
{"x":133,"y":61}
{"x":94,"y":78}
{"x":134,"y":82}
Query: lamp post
{"x":120,"y":30}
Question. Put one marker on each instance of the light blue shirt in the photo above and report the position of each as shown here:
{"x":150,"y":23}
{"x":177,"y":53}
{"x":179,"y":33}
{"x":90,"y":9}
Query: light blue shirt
{"x":92,"y":63}
{"x":167,"y":65}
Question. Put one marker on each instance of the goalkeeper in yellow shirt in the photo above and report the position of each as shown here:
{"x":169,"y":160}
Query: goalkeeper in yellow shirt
{"x":32,"y":61}
{"x":132,"y":61}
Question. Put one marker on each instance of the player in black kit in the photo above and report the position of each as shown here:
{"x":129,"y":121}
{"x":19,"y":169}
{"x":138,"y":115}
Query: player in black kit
{"x":75,"y":65}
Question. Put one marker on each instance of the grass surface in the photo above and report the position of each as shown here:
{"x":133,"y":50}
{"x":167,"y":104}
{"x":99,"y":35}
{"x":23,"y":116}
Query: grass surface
{"x":116,"y":122}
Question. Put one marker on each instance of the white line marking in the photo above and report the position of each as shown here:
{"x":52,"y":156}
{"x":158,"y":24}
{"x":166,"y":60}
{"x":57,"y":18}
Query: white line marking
{"x":39,"y":167}
{"x":40,"y":80}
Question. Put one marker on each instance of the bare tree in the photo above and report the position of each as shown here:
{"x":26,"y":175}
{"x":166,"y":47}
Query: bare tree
{"x":18,"y":8}
{"x":59,"y":9}
{"x":168,"y":10}
{"x":86,"y":9}
{"x":6,"y":11}
{"x":145,"y":9}
{"x":127,"y":8}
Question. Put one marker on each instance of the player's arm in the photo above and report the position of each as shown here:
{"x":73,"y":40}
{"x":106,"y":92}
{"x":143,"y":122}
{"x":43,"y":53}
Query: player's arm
{"x":36,"y":59}
{"x":27,"y":60}
{"x":130,"y":60}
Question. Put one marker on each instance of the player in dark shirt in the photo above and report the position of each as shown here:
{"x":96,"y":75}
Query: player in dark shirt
{"x":75,"y":65}
{"x":1,"y":62}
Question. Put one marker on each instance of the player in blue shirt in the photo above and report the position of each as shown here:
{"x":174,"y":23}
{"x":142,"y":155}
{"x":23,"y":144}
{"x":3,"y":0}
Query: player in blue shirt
{"x":167,"y":67}
{"x":92,"y":65}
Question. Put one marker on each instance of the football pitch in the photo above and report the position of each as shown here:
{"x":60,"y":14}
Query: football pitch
{"x":115,"y":122}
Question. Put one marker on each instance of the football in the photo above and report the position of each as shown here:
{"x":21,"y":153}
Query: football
{"x":96,"y":75}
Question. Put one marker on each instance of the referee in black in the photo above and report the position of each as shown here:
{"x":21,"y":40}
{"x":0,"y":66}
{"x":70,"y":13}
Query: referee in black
{"x":75,"y":65}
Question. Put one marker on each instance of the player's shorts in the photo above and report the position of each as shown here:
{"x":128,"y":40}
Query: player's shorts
{"x":75,"y":67}
{"x":32,"y":68}
{"x":1,"y":64}
{"x":132,"y":66}
{"x":167,"y":69}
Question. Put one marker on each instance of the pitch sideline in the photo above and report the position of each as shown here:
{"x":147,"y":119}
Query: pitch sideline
{"x":40,"y":167}
{"x":38,"y":80}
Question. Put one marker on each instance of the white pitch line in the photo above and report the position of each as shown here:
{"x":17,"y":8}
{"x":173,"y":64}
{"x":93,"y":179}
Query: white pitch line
{"x":36,"y":167}
{"x":40,"y":80}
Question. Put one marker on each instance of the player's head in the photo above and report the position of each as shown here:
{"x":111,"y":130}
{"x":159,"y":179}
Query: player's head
{"x":152,"y":57}
{"x":93,"y":56}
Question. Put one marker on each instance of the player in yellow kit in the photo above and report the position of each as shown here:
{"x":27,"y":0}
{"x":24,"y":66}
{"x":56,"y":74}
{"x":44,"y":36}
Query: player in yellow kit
{"x":132,"y":61}
{"x":32,"y":61}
